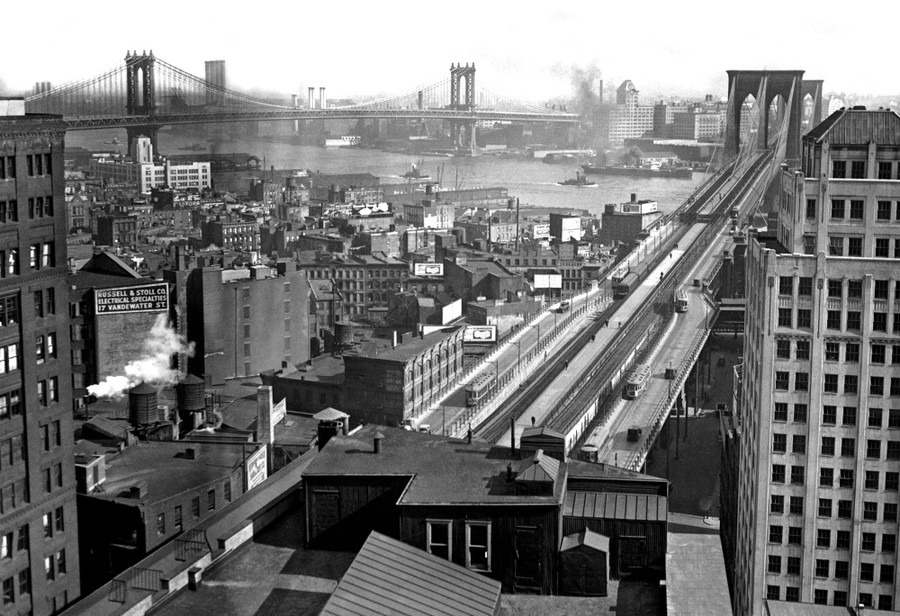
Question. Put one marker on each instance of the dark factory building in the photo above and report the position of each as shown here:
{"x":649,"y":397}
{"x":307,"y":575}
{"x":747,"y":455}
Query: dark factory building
{"x":488,"y":509}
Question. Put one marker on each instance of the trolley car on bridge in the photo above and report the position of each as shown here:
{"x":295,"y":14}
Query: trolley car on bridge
{"x":681,"y":301}
{"x":480,"y":388}
{"x":637,"y":381}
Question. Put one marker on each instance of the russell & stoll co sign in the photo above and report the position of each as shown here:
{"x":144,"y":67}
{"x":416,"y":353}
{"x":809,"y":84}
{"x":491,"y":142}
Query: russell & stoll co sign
{"x":146,"y":298}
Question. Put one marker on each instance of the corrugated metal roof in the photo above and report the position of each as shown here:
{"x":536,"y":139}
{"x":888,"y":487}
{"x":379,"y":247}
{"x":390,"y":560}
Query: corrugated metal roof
{"x":389,"y":577}
{"x":616,"y":506}
{"x":858,"y":127}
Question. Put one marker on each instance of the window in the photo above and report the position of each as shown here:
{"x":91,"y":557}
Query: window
{"x":779,"y":443}
{"x":848,"y":447}
{"x":804,"y":320}
{"x":852,"y":352}
{"x":895,"y":386}
{"x":851,"y":383}
{"x":829,"y":412}
{"x":835,"y":288}
{"x":883,"y":210}
{"x":826,"y":477}
{"x":820,"y":595}
{"x":9,"y":591}
{"x":875,"y":418}
{"x":858,"y":169}
{"x":809,"y":244}
{"x":810,"y":208}
{"x":793,"y":568}
{"x":887,"y":574}
{"x":781,"y":411}
{"x":856,"y":209}
{"x":831,"y":383}
{"x":873,"y":449}
{"x":9,"y":358}
{"x":881,"y":289}
{"x":774,"y":564}
{"x":439,"y":538}
{"x":803,"y":347}
{"x":784,"y":317}
{"x":876,"y":385}
{"x":842,"y":541}
{"x":854,"y":289}
{"x":889,"y":543}
{"x":866,"y":574}
{"x":796,"y":505}
{"x":798,"y":444}
{"x":827,"y":445}
{"x":211,"y":500}
{"x":61,"y":562}
{"x":478,"y":546}
{"x":882,"y":247}
{"x":195,"y":507}
{"x":845,"y":509}
{"x":878,"y":353}
{"x":22,"y":541}
{"x":893,"y":450}
{"x":884,"y":173}
{"x":894,"y":418}
{"x":823,"y":537}
{"x":849,"y":416}
{"x":778,"y":473}
{"x":226,"y":488}
{"x":783,"y":349}
{"x":825,"y":508}
{"x":800,"y":413}
{"x":775,"y":533}
{"x":776,"y":503}
{"x":25,"y":582}
{"x":177,"y":522}
{"x":846,"y":478}
{"x":161,"y":524}
{"x":785,"y":285}
{"x":868,"y":542}
{"x":795,"y":535}
{"x":833,"y":320}
{"x":837,"y":208}
{"x":782,"y":380}
{"x":853,"y":320}
{"x":804,"y":287}
{"x":773,"y":593}
{"x":841,"y":569}
{"x":879,"y":321}
{"x":801,"y":381}
{"x":870,"y":511}
{"x":833,"y":349}
{"x":840,"y":597}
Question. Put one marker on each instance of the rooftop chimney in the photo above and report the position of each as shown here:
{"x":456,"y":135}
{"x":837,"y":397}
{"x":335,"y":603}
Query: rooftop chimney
{"x":311,"y":97}
{"x":634,"y":197}
{"x":321,"y":98}
{"x":378,"y":438}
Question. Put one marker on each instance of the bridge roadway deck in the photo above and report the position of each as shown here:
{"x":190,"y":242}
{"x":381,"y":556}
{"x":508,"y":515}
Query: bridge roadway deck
{"x":554,"y":393}
{"x":677,"y":350}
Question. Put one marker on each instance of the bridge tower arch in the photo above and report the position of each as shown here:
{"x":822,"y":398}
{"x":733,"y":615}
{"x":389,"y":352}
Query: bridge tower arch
{"x":140,"y":98}
{"x":462,"y":98}
{"x":767,"y":85}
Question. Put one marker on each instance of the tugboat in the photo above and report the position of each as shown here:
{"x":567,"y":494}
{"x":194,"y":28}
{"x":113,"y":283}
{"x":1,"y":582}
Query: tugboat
{"x":415,"y":173}
{"x":580,"y":181}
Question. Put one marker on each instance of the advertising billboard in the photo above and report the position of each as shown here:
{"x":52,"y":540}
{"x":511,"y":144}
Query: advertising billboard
{"x":145,"y":298}
{"x":257,"y":468}
{"x":279,"y":410}
{"x":480,"y":333}
{"x":548,"y":281}
{"x":428,"y":269}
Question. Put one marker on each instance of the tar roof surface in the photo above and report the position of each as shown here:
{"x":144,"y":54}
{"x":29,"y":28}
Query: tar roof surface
{"x":442,"y":470}
{"x":392,"y":578}
{"x":405,"y":351}
{"x":695,"y":576}
{"x":165,"y":469}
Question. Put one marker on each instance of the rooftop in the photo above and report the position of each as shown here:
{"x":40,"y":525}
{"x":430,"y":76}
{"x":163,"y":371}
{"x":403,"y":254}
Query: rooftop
{"x":858,"y":127}
{"x":695,"y":576}
{"x":392,"y":578}
{"x":442,"y":470}
{"x":164,"y":467}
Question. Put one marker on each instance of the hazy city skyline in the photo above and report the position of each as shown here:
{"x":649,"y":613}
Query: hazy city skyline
{"x":665,"y":48}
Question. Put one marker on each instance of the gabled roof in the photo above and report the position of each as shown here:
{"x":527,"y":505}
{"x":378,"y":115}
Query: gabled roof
{"x":392,"y":578}
{"x":538,"y":467}
{"x":858,"y":127}
{"x":586,"y":537}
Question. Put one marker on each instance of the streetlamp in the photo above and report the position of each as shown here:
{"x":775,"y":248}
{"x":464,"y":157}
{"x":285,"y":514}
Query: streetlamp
{"x":518,"y":344}
{"x":537,"y":343}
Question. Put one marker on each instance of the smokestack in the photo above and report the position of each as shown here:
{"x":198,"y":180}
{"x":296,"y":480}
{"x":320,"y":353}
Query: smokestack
{"x":420,"y":100}
{"x":311,"y":95}
{"x":377,"y":441}
{"x":265,"y":427}
{"x":634,"y":197}
{"x":321,"y":98}
{"x":294,"y":99}
{"x":512,"y":434}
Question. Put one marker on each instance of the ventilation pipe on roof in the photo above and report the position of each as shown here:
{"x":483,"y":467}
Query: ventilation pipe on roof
{"x":377,"y":441}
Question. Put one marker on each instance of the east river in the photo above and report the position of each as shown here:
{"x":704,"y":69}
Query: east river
{"x":532,"y":181}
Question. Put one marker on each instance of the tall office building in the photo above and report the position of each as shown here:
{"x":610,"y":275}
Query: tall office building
{"x":817,"y":513}
{"x":38,"y":527}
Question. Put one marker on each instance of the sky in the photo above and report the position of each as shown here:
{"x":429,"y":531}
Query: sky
{"x":525,"y":49}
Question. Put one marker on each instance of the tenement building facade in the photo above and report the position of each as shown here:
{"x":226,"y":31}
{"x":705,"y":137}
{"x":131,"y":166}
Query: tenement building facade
{"x":38,"y":526}
{"x":817,"y":513}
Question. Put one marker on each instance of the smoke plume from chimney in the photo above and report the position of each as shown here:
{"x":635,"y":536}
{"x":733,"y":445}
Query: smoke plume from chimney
{"x":152,"y":366}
